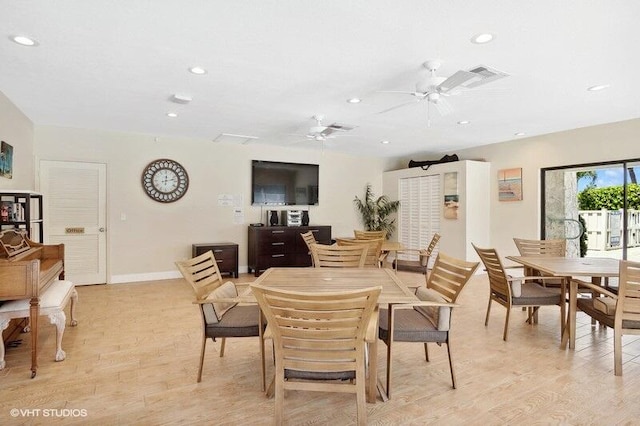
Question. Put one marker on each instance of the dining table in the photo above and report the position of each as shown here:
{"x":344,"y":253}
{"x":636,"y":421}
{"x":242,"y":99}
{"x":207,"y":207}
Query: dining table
{"x":344,"y":279}
{"x":566,"y":268}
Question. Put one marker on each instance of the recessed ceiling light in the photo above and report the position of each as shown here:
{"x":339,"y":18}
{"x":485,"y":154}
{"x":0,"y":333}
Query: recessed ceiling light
{"x":172,"y":114}
{"x":464,"y":122}
{"x":24,"y":41}
{"x":384,"y":142}
{"x":354,"y":100}
{"x":482,"y":38}
{"x":520,"y":134}
{"x":197,"y":70}
{"x":598,"y":87}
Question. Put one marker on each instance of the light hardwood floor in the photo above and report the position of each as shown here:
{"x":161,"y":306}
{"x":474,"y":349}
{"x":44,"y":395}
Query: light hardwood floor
{"x":133,"y":359}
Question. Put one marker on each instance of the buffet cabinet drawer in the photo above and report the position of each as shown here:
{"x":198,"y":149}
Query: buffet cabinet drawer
{"x":279,"y":246}
{"x":226,"y":255}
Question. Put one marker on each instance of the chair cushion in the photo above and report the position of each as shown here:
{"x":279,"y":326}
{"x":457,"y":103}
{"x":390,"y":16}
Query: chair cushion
{"x":516,"y":287}
{"x":410,"y":266}
{"x":319,"y":375}
{"x":409,"y":326}
{"x":606,"y":305}
{"x":534,"y":294}
{"x":214,"y":312}
{"x":239,"y":321}
{"x":440,"y":316}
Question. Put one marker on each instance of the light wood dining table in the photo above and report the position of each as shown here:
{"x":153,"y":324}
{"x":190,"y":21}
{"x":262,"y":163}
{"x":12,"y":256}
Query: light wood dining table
{"x":566,"y":268}
{"x":343,"y":279}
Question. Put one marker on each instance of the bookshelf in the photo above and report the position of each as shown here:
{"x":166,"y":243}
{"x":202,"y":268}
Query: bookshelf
{"x":22,"y":210}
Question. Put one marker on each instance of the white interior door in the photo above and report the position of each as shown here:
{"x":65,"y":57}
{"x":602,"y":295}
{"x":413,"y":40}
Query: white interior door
{"x":74,"y":201}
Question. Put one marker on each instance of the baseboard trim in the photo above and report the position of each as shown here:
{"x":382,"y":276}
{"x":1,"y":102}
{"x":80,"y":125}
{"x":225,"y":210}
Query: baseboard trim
{"x":150,"y":276}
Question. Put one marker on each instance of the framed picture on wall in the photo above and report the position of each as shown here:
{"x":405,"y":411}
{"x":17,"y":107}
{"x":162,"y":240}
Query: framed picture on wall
{"x":510,"y":184}
{"x":451,"y":198}
{"x":6,"y":160}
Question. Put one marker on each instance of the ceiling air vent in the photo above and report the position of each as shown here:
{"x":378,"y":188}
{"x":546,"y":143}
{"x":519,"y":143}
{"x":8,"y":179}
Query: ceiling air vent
{"x":232,"y":138}
{"x":484,"y":75}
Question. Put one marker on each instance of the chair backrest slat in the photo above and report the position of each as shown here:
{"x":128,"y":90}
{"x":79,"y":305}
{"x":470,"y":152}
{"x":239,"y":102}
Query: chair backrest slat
{"x":202,"y":273}
{"x":369,"y":235}
{"x":553,"y":247}
{"x":325,"y":256}
{"x":628,"y":307}
{"x":495,"y":271}
{"x":373,"y":247}
{"x":449,"y":275}
{"x":318,"y":332}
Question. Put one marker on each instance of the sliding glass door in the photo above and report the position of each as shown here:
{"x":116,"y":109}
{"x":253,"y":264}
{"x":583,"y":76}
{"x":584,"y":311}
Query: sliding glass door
{"x":595,"y":207}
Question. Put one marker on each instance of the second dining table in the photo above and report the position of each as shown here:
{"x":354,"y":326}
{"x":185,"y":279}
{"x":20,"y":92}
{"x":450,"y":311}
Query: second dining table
{"x":566,"y":268}
{"x":344,"y":279}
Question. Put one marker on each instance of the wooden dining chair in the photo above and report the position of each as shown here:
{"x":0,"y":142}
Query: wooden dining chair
{"x":553,"y":247}
{"x":427,"y":321}
{"x":375,"y":257}
{"x":511,"y":291}
{"x":418,"y":259}
{"x":369,"y":235}
{"x":309,"y":239}
{"x":319,"y":341}
{"x":619,"y":311}
{"x":325,"y":256}
{"x":224,"y":318}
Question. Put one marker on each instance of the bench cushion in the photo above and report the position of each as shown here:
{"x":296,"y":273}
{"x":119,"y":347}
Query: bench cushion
{"x":53,"y":298}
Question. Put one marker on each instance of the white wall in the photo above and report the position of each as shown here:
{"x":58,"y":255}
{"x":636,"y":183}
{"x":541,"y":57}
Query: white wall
{"x":17,"y":130}
{"x":154,"y":234}
{"x":609,"y":142}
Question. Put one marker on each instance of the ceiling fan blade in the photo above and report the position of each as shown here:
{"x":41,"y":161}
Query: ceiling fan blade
{"x":443,"y":107}
{"x":342,"y":127}
{"x":328,"y":131}
{"x":398,"y":106}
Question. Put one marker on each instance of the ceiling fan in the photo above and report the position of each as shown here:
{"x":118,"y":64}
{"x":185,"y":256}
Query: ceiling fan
{"x":321,"y":133}
{"x":434,"y":89}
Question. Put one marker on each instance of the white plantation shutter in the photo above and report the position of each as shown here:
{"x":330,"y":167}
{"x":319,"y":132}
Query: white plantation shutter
{"x":420,"y":206}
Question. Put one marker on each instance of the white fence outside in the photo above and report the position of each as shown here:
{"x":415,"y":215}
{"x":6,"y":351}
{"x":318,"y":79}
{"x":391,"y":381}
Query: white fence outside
{"x":604,"y":228}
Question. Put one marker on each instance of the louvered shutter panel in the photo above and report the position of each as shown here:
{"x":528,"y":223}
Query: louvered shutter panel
{"x":419,"y":216}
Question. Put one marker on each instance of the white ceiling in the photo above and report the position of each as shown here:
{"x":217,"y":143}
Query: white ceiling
{"x":272,"y":64}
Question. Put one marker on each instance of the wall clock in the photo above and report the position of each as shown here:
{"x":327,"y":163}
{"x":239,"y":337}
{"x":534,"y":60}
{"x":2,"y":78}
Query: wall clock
{"x":165,"y":180}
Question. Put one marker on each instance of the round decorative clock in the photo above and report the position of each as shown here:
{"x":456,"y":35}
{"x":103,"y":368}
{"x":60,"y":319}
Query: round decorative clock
{"x":165,"y":180}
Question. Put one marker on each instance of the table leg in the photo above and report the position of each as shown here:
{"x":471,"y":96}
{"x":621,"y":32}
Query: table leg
{"x":569,"y":333}
{"x":373,"y":371}
{"x":34,"y":312}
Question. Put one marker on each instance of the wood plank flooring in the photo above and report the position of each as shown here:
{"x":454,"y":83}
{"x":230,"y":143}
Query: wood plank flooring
{"x":133,"y":359}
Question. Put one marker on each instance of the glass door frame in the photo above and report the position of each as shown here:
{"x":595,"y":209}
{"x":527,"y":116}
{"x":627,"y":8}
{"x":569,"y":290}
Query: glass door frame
{"x":624,"y":164}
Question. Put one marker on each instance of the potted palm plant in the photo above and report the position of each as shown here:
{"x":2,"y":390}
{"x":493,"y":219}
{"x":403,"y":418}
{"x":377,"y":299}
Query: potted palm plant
{"x":375,"y":212}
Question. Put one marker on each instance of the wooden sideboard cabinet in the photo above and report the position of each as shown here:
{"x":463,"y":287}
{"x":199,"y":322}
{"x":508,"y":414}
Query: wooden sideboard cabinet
{"x":226,"y":255}
{"x":282,"y":246}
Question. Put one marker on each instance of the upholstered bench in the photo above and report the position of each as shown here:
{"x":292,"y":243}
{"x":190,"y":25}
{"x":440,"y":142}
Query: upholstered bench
{"x":52,"y":303}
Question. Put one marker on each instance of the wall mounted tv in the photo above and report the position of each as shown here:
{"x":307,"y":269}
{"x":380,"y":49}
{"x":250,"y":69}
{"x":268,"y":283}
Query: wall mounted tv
{"x":283,"y":184}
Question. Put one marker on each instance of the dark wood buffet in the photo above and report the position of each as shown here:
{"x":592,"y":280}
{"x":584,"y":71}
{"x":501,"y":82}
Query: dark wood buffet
{"x":282,"y":246}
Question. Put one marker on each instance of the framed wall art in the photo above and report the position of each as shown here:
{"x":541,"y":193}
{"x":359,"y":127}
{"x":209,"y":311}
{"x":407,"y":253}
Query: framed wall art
{"x":451,"y":198}
{"x":510,"y":184}
{"x":6,"y":160}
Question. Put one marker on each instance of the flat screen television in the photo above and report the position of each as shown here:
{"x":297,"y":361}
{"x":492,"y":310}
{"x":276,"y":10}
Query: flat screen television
{"x":283,"y":184}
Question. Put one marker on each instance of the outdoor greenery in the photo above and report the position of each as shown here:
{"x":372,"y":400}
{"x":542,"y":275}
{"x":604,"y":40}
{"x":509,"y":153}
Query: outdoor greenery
{"x":609,"y":198}
{"x":375,"y":212}
{"x":584,"y":244}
